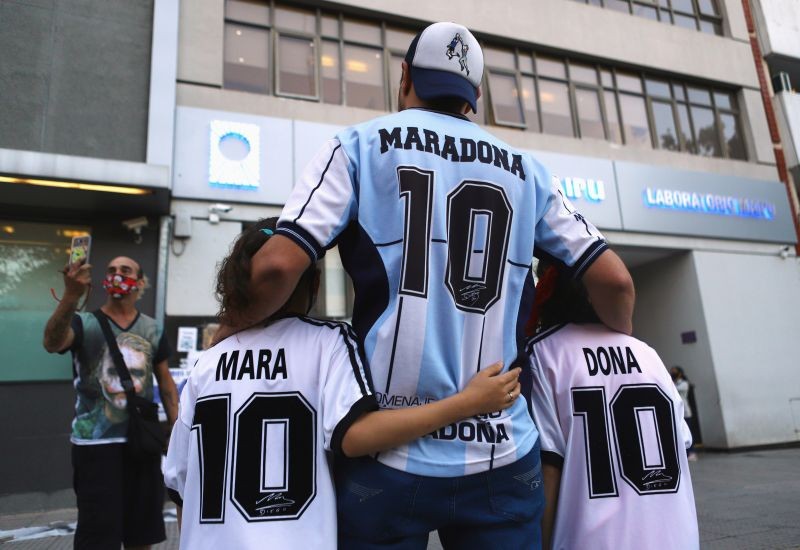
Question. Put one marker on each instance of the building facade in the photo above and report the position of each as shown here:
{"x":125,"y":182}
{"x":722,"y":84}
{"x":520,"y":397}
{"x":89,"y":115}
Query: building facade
{"x":86,"y":116}
{"x":649,"y":112}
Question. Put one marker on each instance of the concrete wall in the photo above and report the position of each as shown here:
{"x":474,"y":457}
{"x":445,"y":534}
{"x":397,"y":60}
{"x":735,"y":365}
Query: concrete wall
{"x":779,"y":26}
{"x":752,"y":310}
{"x":75,"y":76}
{"x":668,"y":302}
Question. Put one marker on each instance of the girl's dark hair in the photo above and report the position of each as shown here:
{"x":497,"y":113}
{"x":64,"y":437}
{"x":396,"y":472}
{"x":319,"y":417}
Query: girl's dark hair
{"x":568,"y":303}
{"x":233,"y":277}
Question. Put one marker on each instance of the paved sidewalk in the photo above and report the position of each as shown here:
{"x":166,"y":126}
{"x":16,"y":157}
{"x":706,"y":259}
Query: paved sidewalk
{"x":745,"y":501}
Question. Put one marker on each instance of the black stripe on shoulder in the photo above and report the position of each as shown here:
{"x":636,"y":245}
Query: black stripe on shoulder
{"x":357,"y":360}
{"x":588,"y":257}
{"x":301,"y":238}
{"x":364,"y":405}
{"x":542,"y":335}
{"x":321,"y":179}
{"x":553,"y":459}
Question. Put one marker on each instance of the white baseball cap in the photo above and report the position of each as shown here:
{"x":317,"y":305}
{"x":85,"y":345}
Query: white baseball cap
{"x":446,"y":61}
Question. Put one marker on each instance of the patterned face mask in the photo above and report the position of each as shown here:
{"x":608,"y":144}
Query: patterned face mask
{"x":118,"y":286}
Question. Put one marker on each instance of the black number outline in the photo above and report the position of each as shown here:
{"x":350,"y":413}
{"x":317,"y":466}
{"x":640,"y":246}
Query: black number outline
{"x":667,"y":456}
{"x":245,"y":515}
{"x":198,"y":429}
{"x":501,"y":264}
{"x":586,"y":441}
{"x":406,"y":194}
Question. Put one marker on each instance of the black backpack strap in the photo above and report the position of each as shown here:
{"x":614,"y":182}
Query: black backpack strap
{"x":116,"y":355}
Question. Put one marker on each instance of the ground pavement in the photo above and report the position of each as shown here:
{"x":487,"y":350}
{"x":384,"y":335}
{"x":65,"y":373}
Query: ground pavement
{"x":748,"y":501}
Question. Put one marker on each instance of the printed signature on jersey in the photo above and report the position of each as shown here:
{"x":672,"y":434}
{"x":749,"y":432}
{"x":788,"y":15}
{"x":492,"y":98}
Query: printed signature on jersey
{"x":273,"y":503}
{"x":471,"y":293}
{"x":655,"y":479}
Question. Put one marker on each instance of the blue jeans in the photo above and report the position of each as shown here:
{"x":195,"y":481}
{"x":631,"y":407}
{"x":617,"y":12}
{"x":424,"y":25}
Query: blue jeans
{"x":383,"y":508}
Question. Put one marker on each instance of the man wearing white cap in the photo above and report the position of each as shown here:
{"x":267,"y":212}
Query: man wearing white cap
{"x":437,"y":222}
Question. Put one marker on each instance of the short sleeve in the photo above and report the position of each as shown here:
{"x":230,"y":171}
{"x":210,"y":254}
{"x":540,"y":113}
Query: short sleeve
{"x":164,"y":350}
{"x":545,"y":412}
{"x":563,"y":235}
{"x":322,"y":202}
{"x":347,"y":392}
{"x":77,"y":328}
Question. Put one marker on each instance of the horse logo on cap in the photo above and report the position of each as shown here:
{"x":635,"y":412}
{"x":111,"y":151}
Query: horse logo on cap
{"x":461,"y":55}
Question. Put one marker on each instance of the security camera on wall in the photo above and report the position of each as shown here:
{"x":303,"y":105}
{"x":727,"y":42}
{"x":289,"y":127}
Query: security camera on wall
{"x":135,"y":224}
{"x":216,"y":209}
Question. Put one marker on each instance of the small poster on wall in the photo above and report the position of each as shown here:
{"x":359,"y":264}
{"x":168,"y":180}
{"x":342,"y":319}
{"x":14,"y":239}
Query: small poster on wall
{"x":187,"y":339}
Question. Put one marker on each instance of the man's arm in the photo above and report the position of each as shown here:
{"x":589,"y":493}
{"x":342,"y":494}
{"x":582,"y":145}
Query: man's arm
{"x":167,"y":390}
{"x":552,"y":484}
{"x":58,"y":334}
{"x":611,"y":291}
{"x":275,"y":271}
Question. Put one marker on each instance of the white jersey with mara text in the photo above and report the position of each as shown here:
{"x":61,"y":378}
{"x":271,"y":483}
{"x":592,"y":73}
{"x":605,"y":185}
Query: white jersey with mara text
{"x":609,"y":415}
{"x":247,"y":453}
{"x":437,"y":222}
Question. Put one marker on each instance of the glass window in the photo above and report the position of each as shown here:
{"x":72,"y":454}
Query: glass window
{"x":685,"y":21}
{"x":296,"y":66}
{"x":707,"y":7}
{"x":634,"y":119}
{"x":501,"y":59}
{"x":618,"y":5}
{"x":295,"y":19}
{"x":505,"y":98}
{"x":722,"y":100}
{"x":395,"y":73}
{"x":698,"y":95}
{"x":556,"y":112}
{"x":525,"y":63}
{"x":248,"y":11}
{"x":665,"y":15}
{"x":329,"y":25}
{"x":705,"y":132}
{"x":710,"y":27}
{"x":666,"y":134}
{"x":362,"y":31}
{"x":581,"y":72}
{"x":677,"y":89}
{"x":645,"y":11}
{"x":734,"y":145}
{"x":529,"y":104}
{"x":657,"y":88}
{"x":612,"y":116}
{"x":590,"y":119}
{"x":689,"y":143}
{"x":363,"y":77}
{"x":630,"y":82}
{"x":606,"y":78}
{"x":331,"y":89}
{"x":31,"y":256}
{"x":683,"y":5}
{"x":549,"y":66}
{"x":398,"y":39}
{"x":246,"y":58}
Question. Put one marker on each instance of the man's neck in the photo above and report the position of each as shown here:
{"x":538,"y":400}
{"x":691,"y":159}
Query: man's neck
{"x":122,"y":311}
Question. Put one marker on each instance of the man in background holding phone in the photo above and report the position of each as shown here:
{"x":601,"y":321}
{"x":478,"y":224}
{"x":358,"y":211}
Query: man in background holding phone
{"x":119,"y":498}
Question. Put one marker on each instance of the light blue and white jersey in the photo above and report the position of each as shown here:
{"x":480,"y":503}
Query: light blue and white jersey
{"x":437,"y":222}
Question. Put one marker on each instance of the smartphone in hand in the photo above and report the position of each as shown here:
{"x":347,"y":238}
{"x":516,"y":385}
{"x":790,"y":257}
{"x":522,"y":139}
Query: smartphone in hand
{"x":81,"y":246}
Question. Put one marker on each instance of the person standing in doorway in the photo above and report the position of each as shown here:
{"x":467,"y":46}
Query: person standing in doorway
{"x":684,"y":388}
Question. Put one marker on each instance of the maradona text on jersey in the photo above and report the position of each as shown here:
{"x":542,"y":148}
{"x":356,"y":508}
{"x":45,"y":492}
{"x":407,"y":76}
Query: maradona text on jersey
{"x":466,"y":150}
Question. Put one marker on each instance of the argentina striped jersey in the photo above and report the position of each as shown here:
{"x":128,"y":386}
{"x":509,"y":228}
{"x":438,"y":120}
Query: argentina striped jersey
{"x":437,"y":222}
